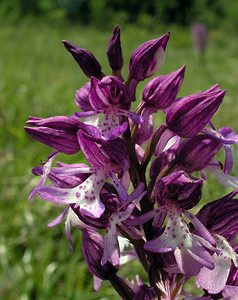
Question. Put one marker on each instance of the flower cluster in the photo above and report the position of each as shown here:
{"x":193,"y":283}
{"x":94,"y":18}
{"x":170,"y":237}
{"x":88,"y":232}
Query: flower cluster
{"x":133,"y":198}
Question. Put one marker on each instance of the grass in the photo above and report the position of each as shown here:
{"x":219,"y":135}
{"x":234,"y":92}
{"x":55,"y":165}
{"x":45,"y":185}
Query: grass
{"x":39,"y":78}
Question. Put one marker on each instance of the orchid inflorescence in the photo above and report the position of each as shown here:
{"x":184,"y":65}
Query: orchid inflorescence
{"x":134,"y":198}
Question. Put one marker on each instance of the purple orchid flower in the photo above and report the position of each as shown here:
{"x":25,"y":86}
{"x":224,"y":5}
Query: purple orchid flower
{"x":62,"y":176}
{"x":191,"y":251}
{"x":43,"y":171}
{"x":110,"y":96}
{"x":117,"y":219}
{"x":220,"y":217}
{"x":178,"y":189}
{"x":87,"y":194}
{"x":227,"y":137}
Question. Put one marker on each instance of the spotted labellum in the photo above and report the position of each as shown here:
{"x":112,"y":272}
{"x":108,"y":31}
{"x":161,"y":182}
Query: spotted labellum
{"x":135,"y":189}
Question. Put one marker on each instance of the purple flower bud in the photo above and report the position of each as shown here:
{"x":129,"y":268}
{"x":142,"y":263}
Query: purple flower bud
{"x":179,"y":189}
{"x":187,"y":116}
{"x":145,"y":293}
{"x":58,"y":132}
{"x":148,"y":58}
{"x":93,"y":250}
{"x":221,"y":215}
{"x":161,"y":91}
{"x":86,"y":60}
{"x":114,"y":51}
{"x":161,"y":162}
{"x":82,"y":97}
{"x":196,"y":153}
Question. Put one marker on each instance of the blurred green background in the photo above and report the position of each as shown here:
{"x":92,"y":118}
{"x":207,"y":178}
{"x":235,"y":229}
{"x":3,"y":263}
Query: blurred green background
{"x":38,"y":77}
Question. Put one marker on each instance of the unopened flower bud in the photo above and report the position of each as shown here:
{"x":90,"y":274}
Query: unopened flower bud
{"x":58,"y":132}
{"x":179,"y":189}
{"x":187,"y":116}
{"x":161,"y":91}
{"x":86,"y":60}
{"x":221,"y":215}
{"x":196,"y":153}
{"x":93,"y":251}
{"x":114,"y":51}
{"x":148,"y":58}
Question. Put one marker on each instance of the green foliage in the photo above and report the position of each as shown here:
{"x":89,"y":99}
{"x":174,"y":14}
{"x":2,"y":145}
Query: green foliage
{"x":38,"y":77}
{"x":104,"y":13}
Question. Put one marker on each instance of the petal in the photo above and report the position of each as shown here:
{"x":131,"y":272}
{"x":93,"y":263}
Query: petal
{"x":96,"y":283}
{"x":230,"y":292}
{"x":59,"y":219}
{"x":186,"y":263}
{"x":228,"y":160}
{"x":166,"y":141}
{"x":85,"y":114}
{"x":117,"y":150}
{"x":228,"y":134}
{"x":131,"y":115}
{"x":70,"y":170}
{"x":91,"y":150}
{"x":162,"y":244}
{"x":120,"y":189}
{"x":123,"y":215}
{"x":97,"y":99}
{"x":137,"y":192}
{"x":159,"y":218}
{"x":131,"y":231}
{"x":86,"y":195}
{"x":125,"y":180}
{"x":110,"y":240}
{"x":54,"y":194}
{"x":200,"y":228}
{"x":225,"y":179}
{"x":146,"y":127}
{"x":141,"y":219}
{"x":46,"y":168}
{"x":110,"y":122}
{"x":68,"y":234}
{"x":201,"y":255}
{"x":118,"y":131}
{"x":214,"y":280}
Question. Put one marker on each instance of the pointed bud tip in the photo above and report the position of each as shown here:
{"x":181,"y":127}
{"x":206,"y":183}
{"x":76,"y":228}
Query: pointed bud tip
{"x":66,"y":43}
{"x":117,"y":29}
{"x":69,"y":46}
